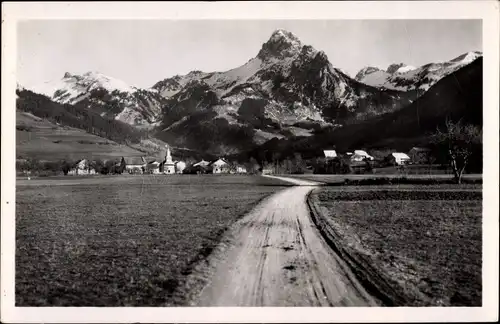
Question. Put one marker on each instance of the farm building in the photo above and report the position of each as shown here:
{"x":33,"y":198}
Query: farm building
{"x":82,"y":167}
{"x":268,"y":170}
{"x":180,"y":166}
{"x":241,"y":169}
{"x":398,"y":158}
{"x":360,"y":155}
{"x":419,"y":154}
{"x":135,"y":164}
{"x":220,"y":166}
{"x":154,"y":167}
{"x":330,"y":154}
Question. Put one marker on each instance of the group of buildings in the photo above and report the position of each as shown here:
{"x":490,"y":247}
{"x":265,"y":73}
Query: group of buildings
{"x":166,"y":165}
{"x":415,"y":155}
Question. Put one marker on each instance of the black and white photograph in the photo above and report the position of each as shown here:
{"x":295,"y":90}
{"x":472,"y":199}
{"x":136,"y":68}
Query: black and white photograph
{"x":178,"y":163}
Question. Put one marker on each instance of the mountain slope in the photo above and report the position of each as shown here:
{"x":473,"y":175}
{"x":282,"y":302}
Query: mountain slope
{"x":108,"y":96}
{"x":77,"y":116}
{"x":49,"y":130}
{"x":405,"y":78}
{"x":39,"y":138}
{"x":273,"y":95}
{"x":458,"y":96}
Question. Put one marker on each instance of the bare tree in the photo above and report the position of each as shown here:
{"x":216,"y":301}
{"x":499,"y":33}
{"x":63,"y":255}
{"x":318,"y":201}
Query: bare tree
{"x":459,"y":142}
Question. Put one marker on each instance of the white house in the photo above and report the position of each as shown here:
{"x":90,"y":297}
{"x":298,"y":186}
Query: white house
{"x":220,"y":166}
{"x":330,"y":154}
{"x":135,"y":164}
{"x":360,"y":155}
{"x":82,"y":167}
{"x":241,"y":169}
{"x":399,"y":158}
{"x":154,"y":167}
{"x":180,"y":166}
{"x":267,"y":170}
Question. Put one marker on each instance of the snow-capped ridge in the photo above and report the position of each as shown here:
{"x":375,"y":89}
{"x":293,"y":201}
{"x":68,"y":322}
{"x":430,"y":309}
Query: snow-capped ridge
{"x":404,"y":69}
{"x":281,"y":44}
{"x":282,"y":35}
{"x":365,"y":71}
{"x":468,"y":57}
{"x":400,"y":76}
{"x":394,"y":67}
{"x":130,"y":104}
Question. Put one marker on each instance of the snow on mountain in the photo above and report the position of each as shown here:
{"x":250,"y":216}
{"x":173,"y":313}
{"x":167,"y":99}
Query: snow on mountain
{"x":406,"y":78}
{"x":286,"y":83}
{"x":404,"y":69}
{"x":71,"y":88}
{"x":114,"y":98}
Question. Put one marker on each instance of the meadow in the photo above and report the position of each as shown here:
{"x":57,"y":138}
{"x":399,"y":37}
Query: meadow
{"x":43,"y":140}
{"x":418,"y":246}
{"x":122,"y":240}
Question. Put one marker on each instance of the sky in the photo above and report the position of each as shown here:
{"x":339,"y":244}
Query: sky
{"x":143,"y":52}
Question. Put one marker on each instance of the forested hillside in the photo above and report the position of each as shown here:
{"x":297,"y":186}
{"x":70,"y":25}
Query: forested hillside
{"x":78,"y":116}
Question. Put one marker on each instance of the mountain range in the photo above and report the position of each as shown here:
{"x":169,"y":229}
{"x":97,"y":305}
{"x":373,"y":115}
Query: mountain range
{"x":288,"y":90}
{"x":406,"y":78}
{"x":457,"y":97}
{"x":110,"y":97}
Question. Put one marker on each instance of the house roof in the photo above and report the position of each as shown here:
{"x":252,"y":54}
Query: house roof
{"x":202,"y":163}
{"x":134,"y":160}
{"x":330,"y":153}
{"x":361,"y":152}
{"x":399,"y":155}
{"x":420,"y":149}
{"x":219,"y":162}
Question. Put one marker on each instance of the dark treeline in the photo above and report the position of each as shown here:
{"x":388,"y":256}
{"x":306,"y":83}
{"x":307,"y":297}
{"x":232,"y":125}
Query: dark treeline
{"x":36,"y":167}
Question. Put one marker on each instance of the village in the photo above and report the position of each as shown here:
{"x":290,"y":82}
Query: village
{"x":358,"y":161}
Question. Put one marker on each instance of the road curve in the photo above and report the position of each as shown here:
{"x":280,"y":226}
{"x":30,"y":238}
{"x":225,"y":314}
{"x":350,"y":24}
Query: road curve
{"x":276,"y":257}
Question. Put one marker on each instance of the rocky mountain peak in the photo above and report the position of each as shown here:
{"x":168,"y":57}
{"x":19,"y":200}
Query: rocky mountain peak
{"x":321,"y":56}
{"x":394,"y":67}
{"x":467,"y":57}
{"x":281,"y":44}
{"x":366,"y":71}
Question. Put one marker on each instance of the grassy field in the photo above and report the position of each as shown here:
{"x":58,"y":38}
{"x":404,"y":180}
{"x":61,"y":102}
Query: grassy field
{"x":426,"y":244}
{"x":122,"y":240}
{"x":41,"y":139}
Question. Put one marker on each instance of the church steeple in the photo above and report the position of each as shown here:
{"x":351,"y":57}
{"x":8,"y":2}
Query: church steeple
{"x":168,"y":157}
{"x":169,"y":164}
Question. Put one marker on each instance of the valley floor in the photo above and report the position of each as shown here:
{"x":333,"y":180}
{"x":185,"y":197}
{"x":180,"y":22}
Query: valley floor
{"x":122,"y":240}
{"x":245,"y":241}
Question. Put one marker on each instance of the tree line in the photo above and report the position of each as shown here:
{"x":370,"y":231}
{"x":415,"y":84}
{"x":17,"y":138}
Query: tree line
{"x":37,"y":167}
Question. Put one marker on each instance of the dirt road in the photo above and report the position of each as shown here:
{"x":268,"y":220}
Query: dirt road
{"x":275,"y":256}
